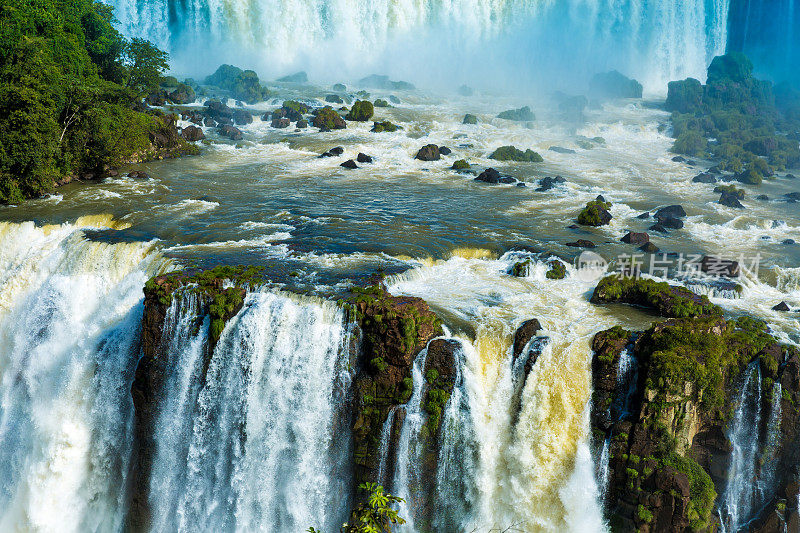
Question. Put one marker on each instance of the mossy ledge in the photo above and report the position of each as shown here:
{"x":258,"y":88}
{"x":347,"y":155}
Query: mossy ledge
{"x":394,"y":330}
{"x":667,"y":300}
{"x":668,"y":446}
{"x":221,"y":292}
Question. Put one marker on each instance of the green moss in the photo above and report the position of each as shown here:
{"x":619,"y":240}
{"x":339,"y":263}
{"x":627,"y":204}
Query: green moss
{"x":595,"y":214}
{"x":558,"y":270}
{"x":520,"y":269}
{"x":643,"y":514}
{"x":327,"y":118}
{"x":730,"y":189}
{"x":511,"y":153}
{"x":523,"y":114}
{"x":701,"y":490}
{"x":361,"y":111}
{"x":460,"y":164}
{"x":380,"y":127}
{"x":470,"y":119}
{"x":381,"y":103}
{"x":668,"y":300}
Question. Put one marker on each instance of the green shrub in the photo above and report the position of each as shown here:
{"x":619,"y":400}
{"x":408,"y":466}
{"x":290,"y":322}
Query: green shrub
{"x":361,"y":111}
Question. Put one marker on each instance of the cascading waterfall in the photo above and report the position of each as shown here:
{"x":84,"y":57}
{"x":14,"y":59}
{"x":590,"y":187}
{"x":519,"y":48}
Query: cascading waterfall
{"x":263,"y":444}
{"x":70,"y":311}
{"x":654,"y":41}
{"x":741,"y":492}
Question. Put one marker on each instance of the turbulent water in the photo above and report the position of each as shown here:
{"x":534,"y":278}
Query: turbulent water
{"x":473,"y":40}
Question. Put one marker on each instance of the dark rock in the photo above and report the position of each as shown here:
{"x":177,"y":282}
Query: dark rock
{"x":193,"y":133}
{"x":138,"y":174}
{"x":671,"y":211}
{"x":793,"y":196}
{"x":547,"y":183}
{"x":302,"y":123}
{"x":328,"y":119}
{"x":649,"y":248}
{"x":334,"y":99}
{"x":523,"y":335}
{"x":582,"y":243}
{"x":444,"y":150}
{"x":704,"y":178}
{"x":333,"y":152}
{"x":679,"y":159}
{"x":635,"y":238}
{"x":659,"y":228}
{"x":670,"y":223}
{"x":643,"y":216}
{"x":716,"y":266}
{"x":242,"y":117}
{"x":349,"y":164}
{"x":281,"y":122}
{"x":209,"y":122}
{"x":429,"y":152}
{"x":489,"y":175}
{"x":231,"y":132}
{"x":561,"y":150}
{"x":363,"y":158}
{"x":340,"y":87}
{"x":762,"y":197}
{"x":393,"y":99}
{"x":781,"y":307}
{"x":512,"y":153}
{"x":470,"y":119}
{"x":788,"y":241}
{"x":729,"y":199}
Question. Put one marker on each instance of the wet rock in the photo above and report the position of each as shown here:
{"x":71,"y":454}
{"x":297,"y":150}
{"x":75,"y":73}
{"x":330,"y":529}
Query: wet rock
{"x":339,"y":87}
{"x":231,"y":132}
{"x":460,"y":164}
{"x":363,"y":158}
{"x":302,"y":124}
{"x":336,"y":151}
{"x":470,"y":119}
{"x":716,"y":266}
{"x":595,"y":213}
{"x":281,"y":122}
{"x":790,"y":176}
{"x":704,"y":178}
{"x":242,"y":117}
{"x":523,"y":114}
{"x":582,"y":243}
{"x":512,"y":153}
{"x":547,"y":183}
{"x":643,"y":216}
{"x":444,"y":150}
{"x":138,"y":174}
{"x":667,"y":300}
{"x":613,"y":84}
{"x":380,"y":102}
{"x":327,"y":119}
{"x":633,"y":237}
{"x":429,"y":152}
{"x":669,"y":223}
{"x":334,"y":99}
{"x":209,"y":122}
{"x":561,"y":150}
{"x":649,"y":248}
{"x":788,"y":241}
{"x":783,"y":306}
{"x":679,"y":159}
{"x":671,"y":211}
{"x":525,"y":332}
{"x":193,"y":134}
{"x":349,"y":164}
{"x":792,"y":196}
{"x":729,"y":199}
{"x":490,"y":175}
{"x":361,"y":111}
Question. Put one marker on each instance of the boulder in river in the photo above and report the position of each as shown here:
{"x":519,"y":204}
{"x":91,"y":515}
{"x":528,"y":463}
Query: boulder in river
{"x":193,"y":133}
{"x":231,"y":132}
{"x":595,"y":213}
{"x":783,"y":306}
{"x":361,"y":111}
{"x":350,"y":164}
{"x":512,"y":153}
{"x":328,"y":119}
{"x":633,"y":237}
{"x":582,"y":243}
{"x":491,"y":175}
{"x":670,"y":211}
{"x":363,"y":158}
{"x":548,"y":182}
{"x":470,"y":119}
{"x":429,"y":152}
{"x":613,"y":84}
{"x":242,"y":117}
{"x":336,"y":151}
{"x":444,"y":150}
{"x":523,"y":114}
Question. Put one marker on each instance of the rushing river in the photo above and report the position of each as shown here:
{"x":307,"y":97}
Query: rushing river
{"x":70,"y":306}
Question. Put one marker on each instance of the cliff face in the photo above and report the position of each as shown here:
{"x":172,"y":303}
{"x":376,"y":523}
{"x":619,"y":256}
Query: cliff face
{"x":394,"y":330}
{"x":217,"y":300}
{"x":668,"y":429}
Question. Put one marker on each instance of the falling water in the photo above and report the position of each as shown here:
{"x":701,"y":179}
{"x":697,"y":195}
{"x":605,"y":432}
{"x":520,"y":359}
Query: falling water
{"x":264,"y":445}
{"x":654,"y":41}
{"x":69,"y":324}
{"x":741,"y":490}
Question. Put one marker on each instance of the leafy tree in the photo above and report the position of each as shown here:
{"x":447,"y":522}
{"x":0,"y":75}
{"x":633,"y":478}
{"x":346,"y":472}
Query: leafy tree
{"x":145,"y":64}
{"x":376,"y":515}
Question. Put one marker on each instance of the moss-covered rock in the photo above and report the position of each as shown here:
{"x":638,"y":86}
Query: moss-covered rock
{"x":243,"y":85}
{"x":558,"y":270}
{"x":328,"y":119}
{"x":614,"y":85}
{"x":470,"y":119}
{"x":668,"y":300}
{"x":595,"y":214}
{"x":361,"y":111}
{"x":385,"y":125}
{"x":523,"y":114}
{"x":512,"y":153}
{"x":380,"y":102}
{"x":460,"y":164}
{"x":394,"y":329}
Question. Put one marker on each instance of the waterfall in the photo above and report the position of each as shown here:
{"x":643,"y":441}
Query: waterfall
{"x":653,"y":41}
{"x":739,"y":498}
{"x":70,"y":311}
{"x":264,"y":443}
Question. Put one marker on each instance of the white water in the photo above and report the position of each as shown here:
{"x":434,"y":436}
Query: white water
{"x":260,"y":448}
{"x":465,"y":40}
{"x":741,"y":490}
{"x":537,"y":474}
{"x":69,"y":324}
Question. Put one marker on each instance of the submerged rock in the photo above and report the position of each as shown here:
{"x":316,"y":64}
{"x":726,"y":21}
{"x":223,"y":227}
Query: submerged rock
{"x":582,"y":243}
{"x":561,"y":150}
{"x":336,"y":151}
{"x":547,"y":183}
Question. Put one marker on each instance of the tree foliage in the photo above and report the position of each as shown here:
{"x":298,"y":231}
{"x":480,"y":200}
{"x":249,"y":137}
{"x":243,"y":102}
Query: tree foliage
{"x":376,"y":515}
{"x":69,"y":86}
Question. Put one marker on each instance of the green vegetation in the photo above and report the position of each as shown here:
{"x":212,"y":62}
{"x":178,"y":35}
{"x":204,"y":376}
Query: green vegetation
{"x":512,"y":153}
{"x":69,"y":87}
{"x":361,"y":111}
{"x":327,"y":118}
{"x":523,"y":114}
{"x":753,"y":123}
{"x":666,"y":299}
{"x":376,"y":515}
{"x":243,"y":85}
{"x":460,"y":164}
{"x":380,"y":127}
{"x":558,"y":270}
{"x":730,"y":189}
{"x":520,"y":269}
{"x":595,"y":214}
{"x":381,"y":103}
{"x":470,"y":119}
